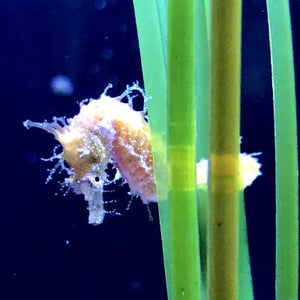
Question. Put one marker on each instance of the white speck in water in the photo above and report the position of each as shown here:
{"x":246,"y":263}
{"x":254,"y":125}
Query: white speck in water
{"x":61,"y":85}
{"x":67,"y":242}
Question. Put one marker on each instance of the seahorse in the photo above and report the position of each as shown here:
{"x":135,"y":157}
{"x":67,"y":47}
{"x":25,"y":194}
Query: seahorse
{"x":108,"y":131}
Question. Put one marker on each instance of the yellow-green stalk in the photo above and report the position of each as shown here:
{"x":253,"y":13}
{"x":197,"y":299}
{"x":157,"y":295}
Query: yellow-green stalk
{"x":224,"y":150}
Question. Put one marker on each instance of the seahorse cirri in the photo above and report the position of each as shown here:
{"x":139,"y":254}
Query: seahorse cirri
{"x":106,"y":131}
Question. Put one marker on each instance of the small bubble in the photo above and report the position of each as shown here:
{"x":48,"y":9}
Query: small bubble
{"x":61,"y":85}
{"x":67,"y":242}
{"x":100,"y":4}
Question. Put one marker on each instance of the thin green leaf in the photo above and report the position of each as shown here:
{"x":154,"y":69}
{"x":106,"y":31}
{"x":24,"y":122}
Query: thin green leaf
{"x":182,"y":150}
{"x":286,"y":149}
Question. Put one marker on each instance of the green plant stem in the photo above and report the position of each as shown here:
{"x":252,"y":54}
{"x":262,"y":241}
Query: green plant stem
{"x":223,"y":218}
{"x":285,"y":125}
{"x":182,"y":150}
{"x":245,"y":289}
{"x":202,"y":80}
{"x":154,"y":64}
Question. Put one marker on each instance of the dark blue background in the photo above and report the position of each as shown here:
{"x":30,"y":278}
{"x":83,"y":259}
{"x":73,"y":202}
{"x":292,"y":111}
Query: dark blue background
{"x":122,"y":258}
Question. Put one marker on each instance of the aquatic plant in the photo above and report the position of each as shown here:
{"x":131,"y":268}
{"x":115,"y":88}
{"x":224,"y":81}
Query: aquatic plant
{"x":196,"y":45}
{"x":186,"y":90}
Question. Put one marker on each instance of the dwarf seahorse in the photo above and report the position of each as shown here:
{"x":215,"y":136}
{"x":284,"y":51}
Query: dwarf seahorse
{"x":106,"y":131}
